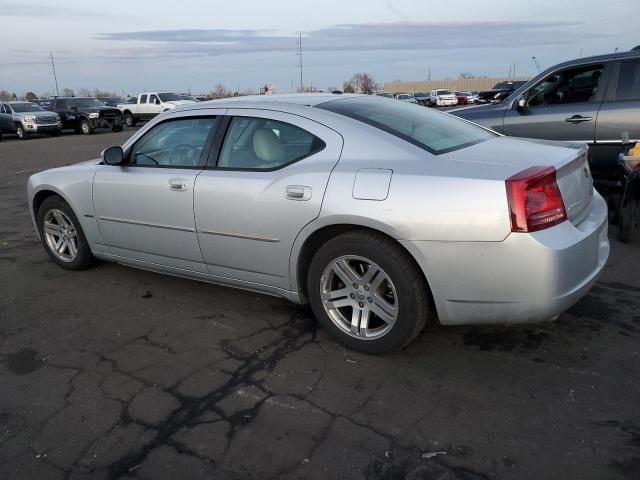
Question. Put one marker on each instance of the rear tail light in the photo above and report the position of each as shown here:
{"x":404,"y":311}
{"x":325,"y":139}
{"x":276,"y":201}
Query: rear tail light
{"x":535,"y":201}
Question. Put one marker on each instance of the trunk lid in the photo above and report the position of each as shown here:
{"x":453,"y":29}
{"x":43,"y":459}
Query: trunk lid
{"x":503,"y":157}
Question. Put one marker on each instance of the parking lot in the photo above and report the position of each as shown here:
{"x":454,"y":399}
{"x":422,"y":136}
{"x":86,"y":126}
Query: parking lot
{"x":120,"y":373}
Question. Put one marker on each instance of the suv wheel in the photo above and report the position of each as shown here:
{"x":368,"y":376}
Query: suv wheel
{"x":85,"y":127}
{"x":62,"y":235}
{"x":367,"y":292}
{"x":129,"y":120}
{"x":21,"y":132}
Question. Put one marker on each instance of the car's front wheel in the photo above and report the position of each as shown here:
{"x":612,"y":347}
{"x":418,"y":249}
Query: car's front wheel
{"x":85,"y":127}
{"x":129,"y":120}
{"x":21,"y":132}
{"x":62,"y":235}
{"x":366,"y":290}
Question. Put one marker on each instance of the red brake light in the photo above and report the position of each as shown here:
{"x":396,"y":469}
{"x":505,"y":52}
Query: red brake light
{"x":535,"y":201}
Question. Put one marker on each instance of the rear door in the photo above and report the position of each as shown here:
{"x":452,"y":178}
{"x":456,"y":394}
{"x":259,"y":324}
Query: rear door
{"x":619,"y":113}
{"x":562,"y":106}
{"x":267,"y":183}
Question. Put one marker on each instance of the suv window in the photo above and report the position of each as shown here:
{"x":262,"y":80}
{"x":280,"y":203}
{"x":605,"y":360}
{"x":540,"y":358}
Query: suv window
{"x":264,"y":144}
{"x":574,"y":85}
{"x":143,"y":99}
{"x":153,"y":98}
{"x":174,"y":143}
{"x":629,"y":81}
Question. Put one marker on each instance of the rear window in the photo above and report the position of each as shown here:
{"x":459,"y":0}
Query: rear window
{"x":433,"y":131}
{"x":629,"y":81}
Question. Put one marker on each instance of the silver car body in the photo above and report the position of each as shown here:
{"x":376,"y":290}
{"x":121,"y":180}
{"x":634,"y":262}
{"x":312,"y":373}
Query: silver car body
{"x":448,"y":211}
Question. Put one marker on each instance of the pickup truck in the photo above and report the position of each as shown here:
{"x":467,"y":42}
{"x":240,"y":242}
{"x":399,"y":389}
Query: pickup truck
{"x":149,"y":104}
{"x":83,"y":114}
{"x":594,"y":101}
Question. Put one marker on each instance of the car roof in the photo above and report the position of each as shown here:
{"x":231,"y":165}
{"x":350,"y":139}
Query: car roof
{"x":303,"y":99}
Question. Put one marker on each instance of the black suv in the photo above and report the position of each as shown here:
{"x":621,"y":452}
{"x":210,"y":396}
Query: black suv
{"x":499,"y":92}
{"x":84,"y":114}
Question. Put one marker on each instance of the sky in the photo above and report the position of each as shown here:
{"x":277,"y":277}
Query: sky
{"x":190,"y":45}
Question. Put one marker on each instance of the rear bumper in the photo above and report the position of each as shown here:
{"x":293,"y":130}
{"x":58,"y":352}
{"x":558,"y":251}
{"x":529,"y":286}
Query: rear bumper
{"x":525,"y":278}
{"x":445,"y":103}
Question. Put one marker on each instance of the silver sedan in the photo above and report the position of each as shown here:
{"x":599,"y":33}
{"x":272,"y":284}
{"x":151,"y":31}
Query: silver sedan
{"x":381,"y":214}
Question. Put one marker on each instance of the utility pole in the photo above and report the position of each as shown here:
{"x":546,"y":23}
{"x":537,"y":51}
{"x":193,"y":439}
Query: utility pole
{"x":429,"y":74}
{"x":53,"y":65}
{"x":536,"y":64}
{"x":514,"y":70}
{"x":300,"y":62}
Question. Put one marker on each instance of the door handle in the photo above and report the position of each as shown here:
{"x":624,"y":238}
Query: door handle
{"x":297,"y":192}
{"x":177,"y":184}
{"x":578,"y":119}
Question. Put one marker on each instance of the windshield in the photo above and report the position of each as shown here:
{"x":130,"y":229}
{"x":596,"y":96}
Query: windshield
{"x":404,"y":96}
{"x":433,"y":131}
{"x":26,"y":107}
{"x":443,"y":92}
{"x":86,"y":102}
{"x":169,"y":97}
{"x":419,"y":94}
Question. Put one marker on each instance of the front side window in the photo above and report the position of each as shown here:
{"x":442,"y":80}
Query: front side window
{"x":629,"y":81}
{"x":264,"y":144}
{"x":153,"y":98}
{"x":574,"y":85}
{"x":433,"y":131}
{"x":175,"y":143}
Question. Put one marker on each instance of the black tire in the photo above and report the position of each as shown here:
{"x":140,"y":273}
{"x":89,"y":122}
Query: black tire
{"x":116,"y":128}
{"x":129,"y":120}
{"x":84,"y":258}
{"x":0,"y":135}
{"x":21,"y":132}
{"x":55,"y":133}
{"x":85,"y":127}
{"x":627,"y":220}
{"x":412,"y":290}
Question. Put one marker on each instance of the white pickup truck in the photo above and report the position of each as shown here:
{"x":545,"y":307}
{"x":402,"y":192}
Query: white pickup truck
{"x":150,"y":104}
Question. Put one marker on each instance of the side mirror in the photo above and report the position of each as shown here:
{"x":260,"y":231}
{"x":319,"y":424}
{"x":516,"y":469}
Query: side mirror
{"x":157,"y":101}
{"x":112,"y":156}
{"x":521,"y":104}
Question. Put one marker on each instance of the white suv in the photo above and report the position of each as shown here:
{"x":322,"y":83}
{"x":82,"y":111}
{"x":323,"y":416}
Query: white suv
{"x":441,"y":97}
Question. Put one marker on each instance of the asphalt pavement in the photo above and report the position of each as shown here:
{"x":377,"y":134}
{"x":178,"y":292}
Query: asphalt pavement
{"x":120,"y":373}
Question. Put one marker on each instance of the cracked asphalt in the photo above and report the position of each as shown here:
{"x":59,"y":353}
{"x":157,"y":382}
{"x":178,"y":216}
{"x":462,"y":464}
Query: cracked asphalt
{"x":117,"y":373}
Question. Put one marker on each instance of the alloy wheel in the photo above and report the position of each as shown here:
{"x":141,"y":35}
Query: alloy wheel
{"x":61,"y":235}
{"x":359,"y":297}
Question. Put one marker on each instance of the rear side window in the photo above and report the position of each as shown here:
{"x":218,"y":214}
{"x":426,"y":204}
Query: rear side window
{"x":574,"y":85}
{"x":433,"y":131}
{"x":143,"y":99}
{"x":629,"y":81}
{"x":264,"y":144}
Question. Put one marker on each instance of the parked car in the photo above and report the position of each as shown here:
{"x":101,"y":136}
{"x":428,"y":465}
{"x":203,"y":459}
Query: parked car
{"x":29,"y":118}
{"x":150,"y":104}
{"x":421,"y":97}
{"x":84,"y":114}
{"x":473,"y":97}
{"x":383,"y":94}
{"x":441,"y":97}
{"x":499,"y":92}
{"x":6,"y":123}
{"x":112,"y":101}
{"x":406,"y":97}
{"x":372,"y":210}
{"x":588,"y":100}
{"x":462,"y":97}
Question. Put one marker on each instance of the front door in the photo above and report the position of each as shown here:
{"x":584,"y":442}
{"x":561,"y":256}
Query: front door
{"x":562,"y":106}
{"x":144,"y":208}
{"x":268,"y":183}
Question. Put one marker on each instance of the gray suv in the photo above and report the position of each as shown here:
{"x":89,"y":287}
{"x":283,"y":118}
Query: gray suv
{"x":588,"y":100}
{"x":29,"y":118}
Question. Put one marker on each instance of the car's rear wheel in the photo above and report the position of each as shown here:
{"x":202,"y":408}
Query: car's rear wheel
{"x":365,"y":289}
{"x":21,"y":132}
{"x":85,"y":127}
{"x":62,"y":235}
{"x":129,"y":120}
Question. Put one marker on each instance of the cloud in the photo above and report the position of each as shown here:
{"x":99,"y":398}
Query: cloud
{"x":48,"y":11}
{"x":437,"y":37}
